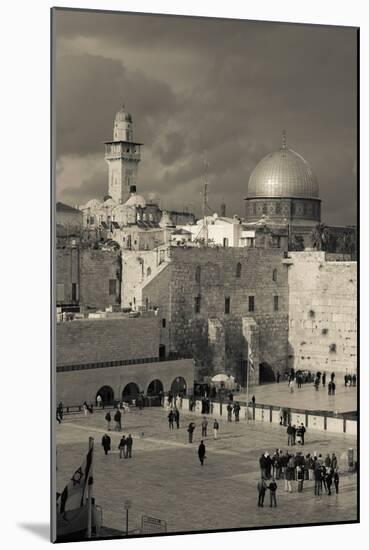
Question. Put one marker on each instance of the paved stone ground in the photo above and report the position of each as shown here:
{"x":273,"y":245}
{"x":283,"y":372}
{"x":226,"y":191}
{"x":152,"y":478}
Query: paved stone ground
{"x":164,"y":479}
{"x":305,"y":397}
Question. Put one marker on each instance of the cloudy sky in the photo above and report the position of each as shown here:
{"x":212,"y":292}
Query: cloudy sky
{"x":224,"y":86}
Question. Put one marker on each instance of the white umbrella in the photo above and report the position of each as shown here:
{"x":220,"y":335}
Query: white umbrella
{"x":220,"y":378}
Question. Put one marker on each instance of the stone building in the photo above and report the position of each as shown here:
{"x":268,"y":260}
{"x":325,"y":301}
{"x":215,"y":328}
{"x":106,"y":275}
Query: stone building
{"x":212,"y":302}
{"x":284,"y":189}
{"x":87,"y":278}
{"x":109,"y":357}
{"x":67,"y":216}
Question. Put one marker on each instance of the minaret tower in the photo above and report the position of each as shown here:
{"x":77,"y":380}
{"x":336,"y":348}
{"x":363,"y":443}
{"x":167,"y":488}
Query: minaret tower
{"x":122,"y":156}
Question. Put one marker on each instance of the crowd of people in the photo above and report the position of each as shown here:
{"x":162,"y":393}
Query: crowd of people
{"x":296,"y":468}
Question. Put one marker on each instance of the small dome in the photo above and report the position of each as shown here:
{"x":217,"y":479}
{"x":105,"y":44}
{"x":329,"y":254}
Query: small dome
{"x":123,"y":115}
{"x":92,"y":203}
{"x":283,"y":173}
{"x":109,"y":202}
{"x":135,"y":200}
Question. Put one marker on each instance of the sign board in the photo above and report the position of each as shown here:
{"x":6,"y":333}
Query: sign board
{"x":153,"y":525}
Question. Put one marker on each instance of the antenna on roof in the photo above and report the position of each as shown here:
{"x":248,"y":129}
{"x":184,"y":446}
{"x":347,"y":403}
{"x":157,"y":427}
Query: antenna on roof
{"x":284,"y":139}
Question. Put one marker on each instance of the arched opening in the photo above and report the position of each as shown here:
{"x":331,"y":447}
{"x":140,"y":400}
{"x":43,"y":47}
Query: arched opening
{"x":266,"y":373}
{"x":130,"y":392}
{"x":179,"y":386}
{"x":238,"y":270}
{"x":107,"y":395}
{"x":155,"y":388}
{"x":275,"y":275}
{"x":148,"y":272}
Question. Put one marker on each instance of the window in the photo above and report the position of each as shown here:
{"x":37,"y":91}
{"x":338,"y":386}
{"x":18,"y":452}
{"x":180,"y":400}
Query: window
{"x":112,"y":287}
{"x":274,"y":276}
{"x":197,"y":304}
{"x":148,"y":271}
{"x":92,"y":220}
{"x":251,"y":303}
{"x":238,"y":270}
{"x":163,"y":323}
{"x":198,"y":274}
{"x":276,"y":304}
{"x":225,"y":242}
{"x":227,"y":306}
{"x":276,"y":241}
{"x":60,"y":292}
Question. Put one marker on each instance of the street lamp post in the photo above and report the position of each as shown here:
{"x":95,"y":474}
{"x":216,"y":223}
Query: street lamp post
{"x":127,"y":506}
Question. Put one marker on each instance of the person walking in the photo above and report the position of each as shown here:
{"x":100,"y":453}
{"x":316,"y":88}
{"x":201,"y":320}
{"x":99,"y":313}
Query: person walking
{"x":122,"y":447}
{"x":204,"y":427}
{"x":201,"y":452}
{"x":294,"y":435}
{"x":229,"y":411}
{"x":263,"y":465}
{"x":290,"y":469}
{"x":262,"y":487}
{"x":106,"y":442}
{"x":334,"y":462}
{"x":278,"y":377}
{"x":302,"y":431}
{"x":336,"y":480}
{"x":273,"y":492}
{"x":191,"y":429}
{"x":327,"y":461}
{"x":129,"y":444}
{"x":236,"y":409}
{"x":108,"y":420}
{"x":300,"y":474}
{"x":171,"y":420}
{"x":329,"y":480}
{"x":317,"y":479}
{"x":289,"y":434}
{"x":323,"y":379}
{"x":176,"y":418}
{"x":215,"y":428}
{"x":118,"y":421}
{"x":292,"y":385}
{"x":99,"y":400}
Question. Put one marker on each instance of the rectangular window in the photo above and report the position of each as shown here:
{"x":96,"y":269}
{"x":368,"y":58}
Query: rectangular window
{"x":163,"y":323}
{"x":227,"y":306}
{"x":251,"y":303}
{"x":197,"y":304}
{"x":276,"y":303}
{"x":112,"y":287}
{"x":60,"y":292}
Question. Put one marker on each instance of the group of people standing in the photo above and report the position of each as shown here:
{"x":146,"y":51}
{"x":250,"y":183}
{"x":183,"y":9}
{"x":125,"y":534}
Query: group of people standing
{"x":297,"y":467}
{"x":125,"y":445}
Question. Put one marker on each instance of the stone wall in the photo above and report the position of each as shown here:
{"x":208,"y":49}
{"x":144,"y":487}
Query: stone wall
{"x":322,"y":313}
{"x":67,"y":273}
{"x":97,"y":268}
{"x":87,"y":341}
{"x":175,"y":289}
{"x":73,"y":388}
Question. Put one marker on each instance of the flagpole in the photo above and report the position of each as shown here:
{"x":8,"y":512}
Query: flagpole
{"x":89,"y":489}
{"x":247,"y":389}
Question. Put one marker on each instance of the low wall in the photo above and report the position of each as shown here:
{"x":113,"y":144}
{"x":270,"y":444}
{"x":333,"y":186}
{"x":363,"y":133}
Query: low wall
{"x":75,"y":387}
{"x":270,"y":414}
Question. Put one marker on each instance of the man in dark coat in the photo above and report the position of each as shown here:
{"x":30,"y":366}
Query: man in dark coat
{"x":122,"y":447}
{"x":118,"y":420}
{"x":289,"y":434}
{"x":273,"y":492}
{"x":302,"y":431}
{"x":201,"y":452}
{"x":105,"y":442}
{"x":171,"y":420}
{"x":229,"y":411}
{"x":176,"y":418}
{"x":129,"y":443}
{"x":262,"y":487}
{"x":191,"y":429}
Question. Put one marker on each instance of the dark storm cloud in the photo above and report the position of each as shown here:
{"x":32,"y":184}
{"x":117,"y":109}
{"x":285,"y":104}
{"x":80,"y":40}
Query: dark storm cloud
{"x":229,"y":87}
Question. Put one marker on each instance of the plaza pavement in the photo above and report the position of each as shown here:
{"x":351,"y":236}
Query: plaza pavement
{"x":164,"y":479}
{"x":306,"y":397}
